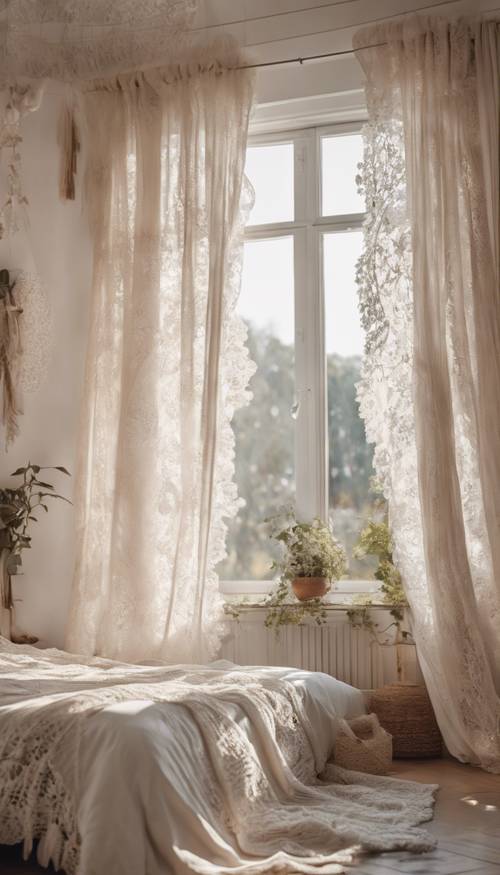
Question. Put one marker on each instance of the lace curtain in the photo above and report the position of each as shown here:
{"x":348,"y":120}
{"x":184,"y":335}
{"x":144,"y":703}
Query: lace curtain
{"x":166,"y":362}
{"x":430,"y":392}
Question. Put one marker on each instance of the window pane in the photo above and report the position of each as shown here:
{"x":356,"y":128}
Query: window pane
{"x":340,"y":156}
{"x":270,"y":170}
{"x":264,"y":431}
{"x":350,"y":456}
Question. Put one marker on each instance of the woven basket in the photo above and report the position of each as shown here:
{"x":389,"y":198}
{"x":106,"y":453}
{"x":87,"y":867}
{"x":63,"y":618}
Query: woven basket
{"x":362,"y":745}
{"x":406,"y":712}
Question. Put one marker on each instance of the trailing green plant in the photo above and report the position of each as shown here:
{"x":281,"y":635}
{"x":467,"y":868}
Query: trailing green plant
{"x":19,"y":504}
{"x":284,"y":609}
{"x":375,"y":540}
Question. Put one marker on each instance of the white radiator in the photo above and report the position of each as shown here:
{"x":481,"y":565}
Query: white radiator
{"x":336,"y":648}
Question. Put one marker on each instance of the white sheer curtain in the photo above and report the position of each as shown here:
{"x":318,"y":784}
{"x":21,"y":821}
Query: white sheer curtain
{"x":166,"y":362}
{"x":430,"y":395}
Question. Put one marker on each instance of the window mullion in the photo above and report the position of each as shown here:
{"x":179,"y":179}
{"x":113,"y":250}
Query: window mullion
{"x":304,"y":449}
{"x":311,"y":449}
{"x":318,"y":364}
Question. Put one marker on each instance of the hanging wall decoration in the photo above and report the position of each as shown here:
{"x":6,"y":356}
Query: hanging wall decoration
{"x":20,"y":100}
{"x":10,"y":356}
{"x":36,"y":327}
{"x":25,"y":335}
{"x":69,"y":143}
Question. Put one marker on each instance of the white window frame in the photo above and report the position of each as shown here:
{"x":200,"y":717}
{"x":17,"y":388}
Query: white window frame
{"x":307,"y":230}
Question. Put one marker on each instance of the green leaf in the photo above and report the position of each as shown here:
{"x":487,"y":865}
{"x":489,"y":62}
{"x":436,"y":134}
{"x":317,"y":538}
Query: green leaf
{"x":56,"y":468}
{"x":42,"y":484}
{"x":55,"y":495}
{"x":19,"y":471}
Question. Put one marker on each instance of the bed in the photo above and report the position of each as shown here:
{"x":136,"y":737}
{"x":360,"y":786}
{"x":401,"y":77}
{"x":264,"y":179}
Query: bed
{"x":117,"y":769}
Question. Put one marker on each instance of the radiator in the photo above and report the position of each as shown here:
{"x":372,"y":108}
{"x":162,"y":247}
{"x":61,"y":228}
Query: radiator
{"x":336,"y":648}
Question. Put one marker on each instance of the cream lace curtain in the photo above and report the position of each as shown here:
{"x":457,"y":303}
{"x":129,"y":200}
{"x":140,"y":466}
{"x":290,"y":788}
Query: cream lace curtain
{"x":430,"y":395}
{"x":166,"y":362}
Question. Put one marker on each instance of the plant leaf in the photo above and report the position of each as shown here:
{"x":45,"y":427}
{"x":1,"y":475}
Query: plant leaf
{"x":57,"y":468}
{"x":55,"y":495}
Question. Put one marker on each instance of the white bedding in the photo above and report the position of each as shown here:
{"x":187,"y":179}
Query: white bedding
{"x":140,"y":770}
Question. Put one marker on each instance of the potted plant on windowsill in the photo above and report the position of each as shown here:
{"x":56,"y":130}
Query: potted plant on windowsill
{"x":312,"y":559}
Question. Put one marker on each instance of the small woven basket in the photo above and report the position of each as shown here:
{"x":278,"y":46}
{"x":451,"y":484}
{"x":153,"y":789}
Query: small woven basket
{"x":406,"y":712}
{"x":363,"y":746}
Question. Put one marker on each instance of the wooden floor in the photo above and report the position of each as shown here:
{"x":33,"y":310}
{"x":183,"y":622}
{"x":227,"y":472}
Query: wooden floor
{"x":466,"y":824}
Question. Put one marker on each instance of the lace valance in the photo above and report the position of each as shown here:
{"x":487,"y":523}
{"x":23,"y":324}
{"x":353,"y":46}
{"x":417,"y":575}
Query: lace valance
{"x":73,"y":40}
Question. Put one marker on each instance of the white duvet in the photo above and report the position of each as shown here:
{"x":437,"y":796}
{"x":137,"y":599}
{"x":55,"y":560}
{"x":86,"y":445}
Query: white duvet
{"x":151,"y":770}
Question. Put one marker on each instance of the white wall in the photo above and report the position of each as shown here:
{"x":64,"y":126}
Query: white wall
{"x":56,"y":245}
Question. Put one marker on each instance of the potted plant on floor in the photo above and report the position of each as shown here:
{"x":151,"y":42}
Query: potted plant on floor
{"x":18,"y":508}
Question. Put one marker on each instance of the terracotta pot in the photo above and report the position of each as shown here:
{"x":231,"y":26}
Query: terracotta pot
{"x":310,"y":587}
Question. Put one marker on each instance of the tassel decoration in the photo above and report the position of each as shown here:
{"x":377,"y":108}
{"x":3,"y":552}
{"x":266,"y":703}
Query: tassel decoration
{"x":10,"y":357}
{"x":69,"y":142}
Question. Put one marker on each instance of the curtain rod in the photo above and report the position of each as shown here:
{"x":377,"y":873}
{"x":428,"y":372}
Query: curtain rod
{"x":308,"y":58}
{"x":283,"y":61}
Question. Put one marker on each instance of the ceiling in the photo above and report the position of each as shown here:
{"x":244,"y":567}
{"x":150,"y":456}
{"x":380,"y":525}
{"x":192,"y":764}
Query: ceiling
{"x":282,"y":29}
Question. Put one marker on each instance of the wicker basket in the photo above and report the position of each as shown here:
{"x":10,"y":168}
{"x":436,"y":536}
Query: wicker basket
{"x":364,"y":746}
{"x":406,"y":712}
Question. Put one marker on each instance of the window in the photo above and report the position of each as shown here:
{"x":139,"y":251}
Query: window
{"x":270,"y":169}
{"x":265,"y":430}
{"x":301,"y":438}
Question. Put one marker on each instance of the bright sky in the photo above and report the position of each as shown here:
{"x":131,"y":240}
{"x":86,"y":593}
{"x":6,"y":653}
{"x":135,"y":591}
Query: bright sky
{"x":267,"y":294}
{"x":343,"y":332}
{"x":267,"y":287}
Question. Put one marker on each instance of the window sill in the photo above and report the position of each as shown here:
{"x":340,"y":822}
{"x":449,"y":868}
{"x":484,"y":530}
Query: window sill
{"x":248,"y":605}
{"x":345,"y":592}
